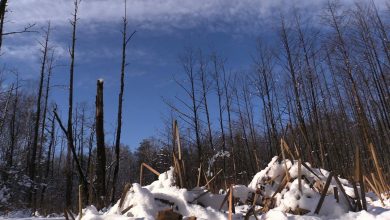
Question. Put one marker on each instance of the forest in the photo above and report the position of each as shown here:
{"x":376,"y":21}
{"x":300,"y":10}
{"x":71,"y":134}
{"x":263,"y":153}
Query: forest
{"x":319,"y":92}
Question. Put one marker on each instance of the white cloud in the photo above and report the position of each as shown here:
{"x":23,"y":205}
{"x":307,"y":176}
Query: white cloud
{"x":157,"y":14}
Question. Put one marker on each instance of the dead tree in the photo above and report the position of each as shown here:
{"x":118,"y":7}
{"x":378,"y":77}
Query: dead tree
{"x":219,"y":89}
{"x":3,"y":8}
{"x":125,"y":41}
{"x":69,"y":130}
{"x":205,"y":87}
{"x":45,"y":106}
{"x":291,"y":68}
{"x":100,"y":149}
{"x":227,"y":88}
{"x":33,"y":165}
{"x":14,"y":127}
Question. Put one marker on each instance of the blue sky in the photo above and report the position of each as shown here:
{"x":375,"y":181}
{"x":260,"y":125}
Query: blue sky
{"x":164,"y":29}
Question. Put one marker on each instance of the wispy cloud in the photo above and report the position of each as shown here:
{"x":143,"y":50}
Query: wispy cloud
{"x":159,"y":14}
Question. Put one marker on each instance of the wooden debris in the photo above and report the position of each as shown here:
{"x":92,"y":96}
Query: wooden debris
{"x":323,"y":194}
{"x":178,"y":161}
{"x":126,"y":210}
{"x":124,"y":193}
{"x":374,"y":189}
{"x":80,"y":201}
{"x":299,"y":175}
{"x":378,"y":168}
{"x":224,"y":199}
{"x":359,"y":178}
{"x":149,"y":168}
{"x":282,"y":143}
{"x":231,"y":205}
{"x":208,"y":182}
{"x":343,"y":192}
{"x":336,"y":194}
{"x":70,"y":214}
{"x":299,"y":211}
{"x":358,"y":205}
{"x":66,"y":215}
{"x":168,"y":214}
{"x":281,"y":185}
{"x":268,"y":203}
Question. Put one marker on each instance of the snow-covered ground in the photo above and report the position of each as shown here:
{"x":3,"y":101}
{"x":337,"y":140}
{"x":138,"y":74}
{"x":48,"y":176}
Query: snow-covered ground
{"x":144,"y":202}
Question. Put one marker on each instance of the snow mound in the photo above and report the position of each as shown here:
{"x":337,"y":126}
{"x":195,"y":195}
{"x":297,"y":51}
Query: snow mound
{"x":270,"y":195}
{"x":144,"y":202}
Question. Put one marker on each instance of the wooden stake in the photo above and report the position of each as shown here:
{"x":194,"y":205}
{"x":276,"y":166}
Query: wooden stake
{"x":374,"y":189}
{"x":80,"y":201}
{"x":126,"y":210}
{"x":343,"y":192}
{"x":71,"y":215}
{"x":323,"y":194}
{"x":336,"y":194}
{"x":66,"y":215}
{"x":359,"y":177}
{"x":281,"y":186}
{"x":231,"y":203}
{"x":149,"y":168}
{"x":124,"y":193}
{"x":299,"y":175}
{"x":284,"y":157}
{"x":377,"y":166}
{"x":357,"y":197}
{"x":141,"y":174}
{"x":208,"y":182}
{"x":224,"y":199}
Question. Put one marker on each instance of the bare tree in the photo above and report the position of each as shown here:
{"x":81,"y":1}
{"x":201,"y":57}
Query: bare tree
{"x":33,"y":165}
{"x":125,"y":41}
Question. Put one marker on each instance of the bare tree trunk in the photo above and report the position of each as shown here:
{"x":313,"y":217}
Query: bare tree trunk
{"x":245,"y":136}
{"x":205,"y":88}
{"x":228,"y":97}
{"x":13,"y":127}
{"x":50,"y":67}
{"x":100,"y":149}
{"x":33,"y":164}
{"x":217,"y":78}
{"x":3,"y":6}
{"x":125,"y":41}
{"x":295,"y":85}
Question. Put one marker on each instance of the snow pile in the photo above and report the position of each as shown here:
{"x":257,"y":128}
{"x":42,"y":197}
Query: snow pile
{"x":145,"y":202}
{"x":5,"y":195}
{"x":270,"y":195}
{"x":284,"y":198}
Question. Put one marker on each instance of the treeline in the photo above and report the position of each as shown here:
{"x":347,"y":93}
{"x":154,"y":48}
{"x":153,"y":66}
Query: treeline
{"x":324,"y":91}
{"x":43,"y":160}
{"x":322,"y":87}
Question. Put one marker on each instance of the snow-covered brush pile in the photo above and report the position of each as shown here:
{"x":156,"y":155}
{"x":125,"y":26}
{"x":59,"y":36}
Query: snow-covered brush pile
{"x":274,"y":193}
{"x":299,"y":190}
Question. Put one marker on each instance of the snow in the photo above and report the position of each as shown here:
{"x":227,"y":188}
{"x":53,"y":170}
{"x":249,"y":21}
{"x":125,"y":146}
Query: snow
{"x":4,"y":195}
{"x":147,"y":201}
{"x":144,"y":202}
{"x":211,"y":161}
